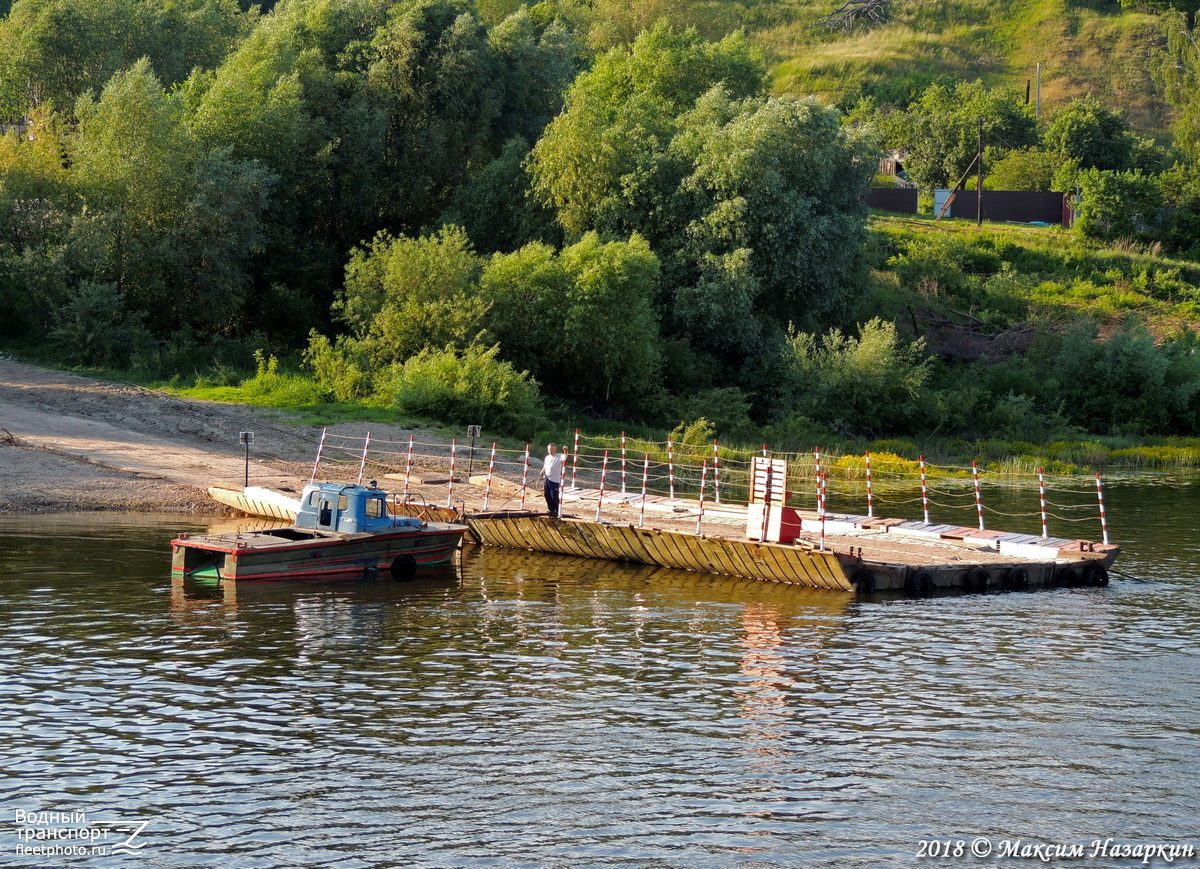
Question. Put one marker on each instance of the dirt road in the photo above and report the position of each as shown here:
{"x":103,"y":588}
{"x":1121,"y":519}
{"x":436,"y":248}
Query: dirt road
{"x":69,"y":442}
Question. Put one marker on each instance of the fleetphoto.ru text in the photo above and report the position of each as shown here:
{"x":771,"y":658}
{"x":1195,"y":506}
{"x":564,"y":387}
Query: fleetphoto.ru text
{"x":60,"y":834}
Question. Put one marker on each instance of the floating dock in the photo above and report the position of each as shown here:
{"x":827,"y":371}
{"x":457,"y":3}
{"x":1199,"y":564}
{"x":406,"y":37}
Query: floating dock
{"x":766,"y":539}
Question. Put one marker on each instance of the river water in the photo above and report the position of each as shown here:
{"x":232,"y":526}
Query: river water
{"x":535,"y":711}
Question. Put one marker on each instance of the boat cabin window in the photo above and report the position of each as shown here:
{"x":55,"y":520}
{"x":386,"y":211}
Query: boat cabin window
{"x":343,"y":502}
{"x":325,"y":518}
{"x":375,"y":509}
{"x":313,"y":497}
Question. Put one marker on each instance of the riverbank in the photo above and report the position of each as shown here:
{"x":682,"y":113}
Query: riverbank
{"x":73,"y":443}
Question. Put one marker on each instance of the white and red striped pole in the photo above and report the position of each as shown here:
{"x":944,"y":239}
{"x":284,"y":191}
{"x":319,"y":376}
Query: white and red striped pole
{"x":671,"y":466}
{"x":450,"y":482}
{"x":320,"y":447}
{"x":824,"y":484}
{"x":487,"y":490}
{"x":870,"y":497}
{"x":645,"y":483}
{"x":622,"y":463}
{"x":764,"y":451}
{"x":574,"y":460}
{"x":924,"y":493}
{"x":524,"y":476}
{"x":817,"y":459}
{"x":603,"y":474}
{"x":1042,"y":499}
{"x":362,"y":465}
{"x":716,"y":473}
{"x":1103,"y":520}
{"x":408,"y":466}
{"x":703,"y":478}
{"x":978,"y":500}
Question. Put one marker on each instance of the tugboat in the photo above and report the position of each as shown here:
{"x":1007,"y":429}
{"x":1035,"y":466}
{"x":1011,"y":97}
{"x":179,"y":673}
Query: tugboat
{"x":341,"y":531}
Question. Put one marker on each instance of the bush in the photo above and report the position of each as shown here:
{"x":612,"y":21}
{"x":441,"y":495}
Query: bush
{"x":470,"y":387}
{"x":271,"y":388}
{"x":95,"y":329}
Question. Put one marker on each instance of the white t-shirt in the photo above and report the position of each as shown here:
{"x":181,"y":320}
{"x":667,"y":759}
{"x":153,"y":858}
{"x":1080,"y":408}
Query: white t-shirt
{"x":553,"y":466}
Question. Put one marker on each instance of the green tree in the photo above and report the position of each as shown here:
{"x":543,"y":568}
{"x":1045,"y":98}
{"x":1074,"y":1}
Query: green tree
{"x":869,"y":385}
{"x":1023,"y":169}
{"x":940,"y":131}
{"x":1091,"y":135}
{"x":1179,"y":76}
{"x":1119,"y":205}
{"x":403,"y":295}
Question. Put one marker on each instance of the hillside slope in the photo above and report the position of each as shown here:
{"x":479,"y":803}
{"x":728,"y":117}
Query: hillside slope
{"x":1096,"y":48}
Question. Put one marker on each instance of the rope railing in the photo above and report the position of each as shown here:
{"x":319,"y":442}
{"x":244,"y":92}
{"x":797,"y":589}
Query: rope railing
{"x":639,"y":468}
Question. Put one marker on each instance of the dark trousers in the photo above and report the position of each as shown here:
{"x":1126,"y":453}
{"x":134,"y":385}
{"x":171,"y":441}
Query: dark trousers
{"x":551,"y":493}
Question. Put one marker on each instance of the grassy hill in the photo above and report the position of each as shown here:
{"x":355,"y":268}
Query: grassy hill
{"x":1084,"y":47}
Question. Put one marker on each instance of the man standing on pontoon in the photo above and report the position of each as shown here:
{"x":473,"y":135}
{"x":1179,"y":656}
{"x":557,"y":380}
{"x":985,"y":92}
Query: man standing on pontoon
{"x":552,"y":472}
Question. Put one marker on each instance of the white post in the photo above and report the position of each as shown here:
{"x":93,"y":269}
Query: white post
{"x":700,"y":515}
{"x":766,"y":522}
{"x":824,"y":483}
{"x":450,"y":482}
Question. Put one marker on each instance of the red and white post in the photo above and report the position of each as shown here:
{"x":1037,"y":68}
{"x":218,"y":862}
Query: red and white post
{"x":671,"y":467}
{"x":450,"y":482}
{"x":817,"y":460}
{"x":870,"y":497}
{"x":320,"y":448}
{"x":574,"y":461}
{"x":1042,"y":499}
{"x":716,"y":474}
{"x":824,"y":484}
{"x":487,"y":489}
{"x":1103,"y":520}
{"x":603,"y":475}
{"x":924,"y":493}
{"x":703,"y":479}
{"x":524,"y":476}
{"x":645,"y":484}
{"x":978,"y":500}
{"x":362,"y":465}
{"x":408,"y":463}
{"x":622,"y":463}
{"x":766,"y":521}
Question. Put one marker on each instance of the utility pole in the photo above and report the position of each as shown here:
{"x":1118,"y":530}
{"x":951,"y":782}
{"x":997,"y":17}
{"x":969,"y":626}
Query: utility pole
{"x":979,"y":178}
{"x":1037,"y":103}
